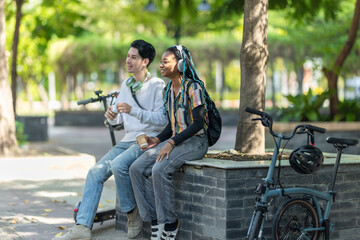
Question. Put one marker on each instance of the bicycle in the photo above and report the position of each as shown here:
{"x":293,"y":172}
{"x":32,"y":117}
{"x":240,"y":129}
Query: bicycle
{"x":299,"y":217}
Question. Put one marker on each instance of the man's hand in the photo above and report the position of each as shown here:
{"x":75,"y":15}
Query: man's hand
{"x":109,"y":114}
{"x":166,"y":150}
{"x":123,"y":108}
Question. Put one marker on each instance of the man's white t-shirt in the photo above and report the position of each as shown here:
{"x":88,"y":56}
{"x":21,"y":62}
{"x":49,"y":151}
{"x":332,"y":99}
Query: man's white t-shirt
{"x":150,"y":120}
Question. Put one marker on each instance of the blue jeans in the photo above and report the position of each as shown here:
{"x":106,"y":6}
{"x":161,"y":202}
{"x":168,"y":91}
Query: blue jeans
{"x":156,"y":200}
{"x":117,"y":161}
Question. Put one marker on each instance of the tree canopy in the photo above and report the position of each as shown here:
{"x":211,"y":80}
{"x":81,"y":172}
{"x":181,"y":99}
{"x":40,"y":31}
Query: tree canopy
{"x":87,"y":35}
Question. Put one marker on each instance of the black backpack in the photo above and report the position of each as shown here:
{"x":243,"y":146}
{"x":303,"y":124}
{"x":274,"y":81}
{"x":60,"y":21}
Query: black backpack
{"x":214,"y":123}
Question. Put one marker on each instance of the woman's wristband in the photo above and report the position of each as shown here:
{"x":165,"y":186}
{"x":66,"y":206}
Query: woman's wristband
{"x":171,"y":144}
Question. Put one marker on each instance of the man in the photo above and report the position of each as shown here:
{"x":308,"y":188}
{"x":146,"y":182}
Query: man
{"x":142,"y":113}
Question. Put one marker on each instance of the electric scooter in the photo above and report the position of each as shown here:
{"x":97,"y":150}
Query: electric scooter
{"x":103,"y":215}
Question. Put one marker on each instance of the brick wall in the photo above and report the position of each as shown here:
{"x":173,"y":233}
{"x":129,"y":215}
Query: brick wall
{"x":215,"y":198}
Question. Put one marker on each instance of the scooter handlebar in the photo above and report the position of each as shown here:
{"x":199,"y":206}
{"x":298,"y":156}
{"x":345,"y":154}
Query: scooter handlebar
{"x":84,"y":102}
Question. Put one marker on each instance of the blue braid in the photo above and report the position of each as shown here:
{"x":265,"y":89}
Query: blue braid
{"x":182,"y":93}
{"x":209,"y":103}
{"x":166,"y":94}
{"x":193,"y":75}
{"x":183,"y":80}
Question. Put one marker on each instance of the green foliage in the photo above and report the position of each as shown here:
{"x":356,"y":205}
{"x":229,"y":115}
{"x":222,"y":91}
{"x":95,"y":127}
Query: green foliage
{"x":349,"y":110}
{"x":299,"y":10}
{"x":20,"y":136}
{"x":91,"y":53}
{"x":42,"y":21}
{"x":320,"y":38}
{"x":85,"y":36}
{"x":304,"y":107}
{"x":85,"y":54}
{"x":232,"y":76}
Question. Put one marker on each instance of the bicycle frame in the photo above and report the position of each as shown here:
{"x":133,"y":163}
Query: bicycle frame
{"x":266,"y":191}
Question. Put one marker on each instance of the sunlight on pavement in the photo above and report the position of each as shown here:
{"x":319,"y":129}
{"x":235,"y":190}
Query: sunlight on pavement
{"x":45,"y":168}
{"x":56,"y":194}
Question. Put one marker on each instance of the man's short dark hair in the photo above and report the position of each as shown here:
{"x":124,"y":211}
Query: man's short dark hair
{"x":146,"y":50}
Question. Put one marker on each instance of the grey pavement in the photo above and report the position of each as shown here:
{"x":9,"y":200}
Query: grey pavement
{"x":38,"y":194}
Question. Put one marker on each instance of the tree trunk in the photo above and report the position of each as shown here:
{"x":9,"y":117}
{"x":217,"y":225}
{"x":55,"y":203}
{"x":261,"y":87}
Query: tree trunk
{"x":332,"y":73}
{"x":14,"y":52}
{"x":254,"y":55}
{"x":7,"y":121}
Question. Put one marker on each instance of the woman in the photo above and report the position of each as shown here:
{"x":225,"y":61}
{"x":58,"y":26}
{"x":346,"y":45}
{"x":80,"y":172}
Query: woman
{"x":183,"y":139}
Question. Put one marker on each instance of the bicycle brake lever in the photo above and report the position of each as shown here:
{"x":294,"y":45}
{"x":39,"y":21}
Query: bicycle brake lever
{"x":301,"y":131}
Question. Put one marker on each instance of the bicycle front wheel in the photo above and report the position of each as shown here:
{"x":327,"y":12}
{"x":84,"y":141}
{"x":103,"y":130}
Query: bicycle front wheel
{"x":294,"y":219}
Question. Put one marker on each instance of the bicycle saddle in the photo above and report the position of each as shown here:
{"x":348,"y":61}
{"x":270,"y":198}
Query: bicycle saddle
{"x":342,"y":141}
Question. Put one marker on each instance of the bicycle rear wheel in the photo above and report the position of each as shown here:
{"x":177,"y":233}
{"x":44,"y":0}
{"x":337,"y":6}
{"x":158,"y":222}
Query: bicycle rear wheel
{"x":292,"y":218}
{"x":256,"y":225}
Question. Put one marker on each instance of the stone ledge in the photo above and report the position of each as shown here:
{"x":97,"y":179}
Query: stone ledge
{"x":329,"y":126}
{"x":229,"y":164}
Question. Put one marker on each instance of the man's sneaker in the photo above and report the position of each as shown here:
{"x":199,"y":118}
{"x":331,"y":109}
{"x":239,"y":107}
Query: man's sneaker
{"x":134,"y":223}
{"x":78,"y":232}
{"x":156,"y":231}
{"x":170,"y":235}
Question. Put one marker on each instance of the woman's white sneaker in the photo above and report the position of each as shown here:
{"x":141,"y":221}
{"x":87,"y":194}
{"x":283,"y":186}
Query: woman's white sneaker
{"x":170,"y":235}
{"x":156,"y":231}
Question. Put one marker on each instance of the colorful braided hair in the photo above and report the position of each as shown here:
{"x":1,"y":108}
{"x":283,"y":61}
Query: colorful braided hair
{"x":188,"y":71}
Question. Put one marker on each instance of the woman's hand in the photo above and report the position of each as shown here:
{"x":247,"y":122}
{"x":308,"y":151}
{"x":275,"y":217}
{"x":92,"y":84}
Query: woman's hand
{"x":166,"y":150}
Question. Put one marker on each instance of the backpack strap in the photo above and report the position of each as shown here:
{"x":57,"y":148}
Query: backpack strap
{"x":206,"y":94}
{"x":133,"y":94}
{"x":205,"y":103}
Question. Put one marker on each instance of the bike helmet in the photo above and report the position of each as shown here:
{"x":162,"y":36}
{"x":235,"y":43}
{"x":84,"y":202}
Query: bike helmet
{"x":306,"y":159}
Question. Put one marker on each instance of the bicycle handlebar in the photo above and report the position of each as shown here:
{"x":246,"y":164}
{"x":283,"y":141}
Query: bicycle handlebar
{"x":254,"y":111}
{"x":267,"y":121}
{"x":315,"y":128}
